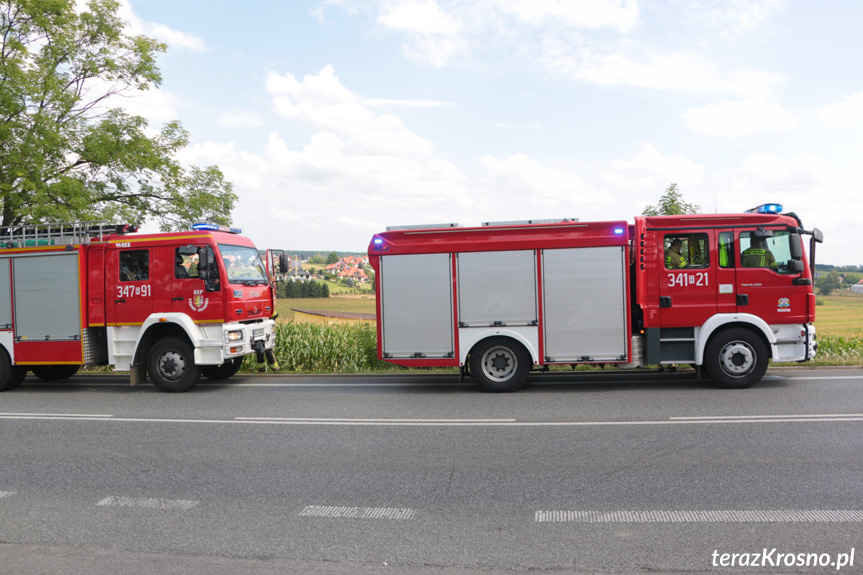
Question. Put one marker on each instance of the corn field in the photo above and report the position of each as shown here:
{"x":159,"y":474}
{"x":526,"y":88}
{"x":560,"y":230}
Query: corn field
{"x":326,"y":348}
{"x":837,"y":348}
{"x":304,"y":347}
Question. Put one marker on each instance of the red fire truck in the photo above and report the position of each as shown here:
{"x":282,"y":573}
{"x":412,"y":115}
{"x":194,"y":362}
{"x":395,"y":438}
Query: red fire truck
{"x":722,"y":292}
{"x":174,"y":305}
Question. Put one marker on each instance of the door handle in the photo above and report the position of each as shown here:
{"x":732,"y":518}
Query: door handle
{"x":742,"y":299}
{"x":119,"y":301}
{"x":665,"y":301}
{"x":177,"y":299}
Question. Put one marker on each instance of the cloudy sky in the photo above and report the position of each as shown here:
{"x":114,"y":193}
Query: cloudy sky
{"x":337,"y":118}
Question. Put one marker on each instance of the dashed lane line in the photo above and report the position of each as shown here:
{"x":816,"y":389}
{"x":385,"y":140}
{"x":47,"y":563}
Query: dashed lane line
{"x":703,"y":516}
{"x":331,"y":511}
{"x":148,"y":503}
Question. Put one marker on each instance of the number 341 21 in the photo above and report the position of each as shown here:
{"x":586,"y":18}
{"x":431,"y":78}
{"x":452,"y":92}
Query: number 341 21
{"x":698,"y":279}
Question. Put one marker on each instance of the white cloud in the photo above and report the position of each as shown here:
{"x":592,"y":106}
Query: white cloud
{"x":730,"y":19}
{"x":162,"y":32}
{"x":843,"y":114}
{"x":521,"y":176}
{"x":741,"y":118}
{"x":679,"y":71}
{"x":418,"y":16}
{"x":324,"y":103}
{"x":620,"y":14}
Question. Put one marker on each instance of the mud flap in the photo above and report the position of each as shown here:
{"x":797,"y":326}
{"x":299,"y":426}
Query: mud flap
{"x":137,"y":374}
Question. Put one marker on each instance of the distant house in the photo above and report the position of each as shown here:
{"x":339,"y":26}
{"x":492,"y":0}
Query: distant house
{"x":354,"y":273}
{"x":349,"y":267}
{"x":858,"y":287}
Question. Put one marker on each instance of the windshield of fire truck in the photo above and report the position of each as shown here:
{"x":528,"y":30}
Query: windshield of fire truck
{"x":243,"y":265}
{"x":773,"y":253}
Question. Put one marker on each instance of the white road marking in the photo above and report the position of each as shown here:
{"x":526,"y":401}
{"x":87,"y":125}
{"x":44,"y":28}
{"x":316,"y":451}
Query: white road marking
{"x":738,"y":417}
{"x":4,"y":494}
{"x":356,"y":420}
{"x":703,"y":516}
{"x":148,"y":503}
{"x":679,"y":420}
{"x":357,"y":512}
{"x":49,"y":415}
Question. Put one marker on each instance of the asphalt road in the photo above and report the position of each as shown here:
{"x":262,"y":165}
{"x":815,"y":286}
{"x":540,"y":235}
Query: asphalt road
{"x":587,"y":472}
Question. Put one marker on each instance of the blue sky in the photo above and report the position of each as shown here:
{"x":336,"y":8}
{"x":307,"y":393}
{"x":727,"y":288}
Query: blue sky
{"x":337,"y":118}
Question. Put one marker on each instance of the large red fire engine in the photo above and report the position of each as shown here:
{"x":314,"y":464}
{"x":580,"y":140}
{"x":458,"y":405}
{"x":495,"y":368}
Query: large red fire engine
{"x":722,"y":292}
{"x":174,"y":305}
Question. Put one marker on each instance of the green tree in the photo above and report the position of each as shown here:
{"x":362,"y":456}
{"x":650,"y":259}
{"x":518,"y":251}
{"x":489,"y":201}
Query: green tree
{"x":671,"y":204}
{"x":826,"y":283}
{"x":332,"y":258}
{"x":65,"y":153}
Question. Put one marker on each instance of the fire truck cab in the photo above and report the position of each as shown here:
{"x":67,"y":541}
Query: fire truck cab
{"x":724,"y":293}
{"x":171,"y":305}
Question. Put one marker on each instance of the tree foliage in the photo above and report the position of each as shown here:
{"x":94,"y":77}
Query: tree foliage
{"x":65,"y":153}
{"x":827,"y":283}
{"x":671,"y":204}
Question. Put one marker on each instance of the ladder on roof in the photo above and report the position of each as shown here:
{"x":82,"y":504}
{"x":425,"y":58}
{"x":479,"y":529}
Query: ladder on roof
{"x":33,"y":235}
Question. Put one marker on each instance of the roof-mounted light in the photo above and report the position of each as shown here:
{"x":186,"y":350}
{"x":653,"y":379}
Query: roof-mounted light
{"x":209,"y":227}
{"x":766,"y":209}
{"x":619,"y":231}
{"x":378,"y":241}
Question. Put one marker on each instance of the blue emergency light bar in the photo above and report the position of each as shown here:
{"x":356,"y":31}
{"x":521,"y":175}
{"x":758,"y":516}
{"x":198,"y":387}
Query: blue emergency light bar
{"x":765,"y":209}
{"x":208,"y":227}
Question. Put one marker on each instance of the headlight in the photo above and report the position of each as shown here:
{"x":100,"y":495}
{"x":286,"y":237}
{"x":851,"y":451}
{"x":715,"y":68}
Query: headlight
{"x":258,"y":333}
{"x":233,"y":336}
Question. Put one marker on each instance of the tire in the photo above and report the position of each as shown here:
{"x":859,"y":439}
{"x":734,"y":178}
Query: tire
{"x":11,"y":376}
{"x":171,"y":365}
{"x":500,"y":364}
{"x":736,"y":359}
{"x":224,"y":371}
{"x":54,"y":372}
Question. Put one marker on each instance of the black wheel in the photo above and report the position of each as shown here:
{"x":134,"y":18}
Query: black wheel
{"x":500,"y":364}
{"x":171,"y":365}
{"x":11,"y":376}
{"x":736,"y":358}
{"x":54,"y":372}
{"x":224,"y":371}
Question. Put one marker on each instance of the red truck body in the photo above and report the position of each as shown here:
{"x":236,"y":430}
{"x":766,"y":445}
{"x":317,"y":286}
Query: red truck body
{"x":174,"y":305}
{"x":501,"y":299}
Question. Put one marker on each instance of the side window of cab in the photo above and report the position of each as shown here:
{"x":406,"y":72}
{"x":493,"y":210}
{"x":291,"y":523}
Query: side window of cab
{"x":686,"y":251}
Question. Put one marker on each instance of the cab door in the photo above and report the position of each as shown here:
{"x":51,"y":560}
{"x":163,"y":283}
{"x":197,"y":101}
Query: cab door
{"x":770,"y":286}
{"x":130,"y":281}
{"x":687,"y":278}
{"x":202,"y":300}
{"x":726,"y":271}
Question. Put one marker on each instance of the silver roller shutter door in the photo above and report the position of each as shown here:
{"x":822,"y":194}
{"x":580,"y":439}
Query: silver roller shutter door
{"x":416,"y":305}
{"x":497,"y":287}
{"x":47,"y":302}
{"x":584,"y":303}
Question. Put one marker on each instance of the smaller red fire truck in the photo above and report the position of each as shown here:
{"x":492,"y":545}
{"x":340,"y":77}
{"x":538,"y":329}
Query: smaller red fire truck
{"x":722,"y":292}
{"x":171,"y":305}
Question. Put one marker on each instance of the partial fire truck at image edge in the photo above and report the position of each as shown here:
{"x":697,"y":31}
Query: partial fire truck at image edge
{"x":173,"y":306}
{"x":724,"y":293}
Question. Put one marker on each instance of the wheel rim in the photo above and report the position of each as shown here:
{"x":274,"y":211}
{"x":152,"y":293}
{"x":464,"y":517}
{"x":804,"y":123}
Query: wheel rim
{"x":737,"y":358}
{"x":172,"y":365}
{"x":499,"y":363}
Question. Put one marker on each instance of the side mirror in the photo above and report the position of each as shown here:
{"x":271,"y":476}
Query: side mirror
{"x":207,"y":270}
{"x":796,"y":246}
